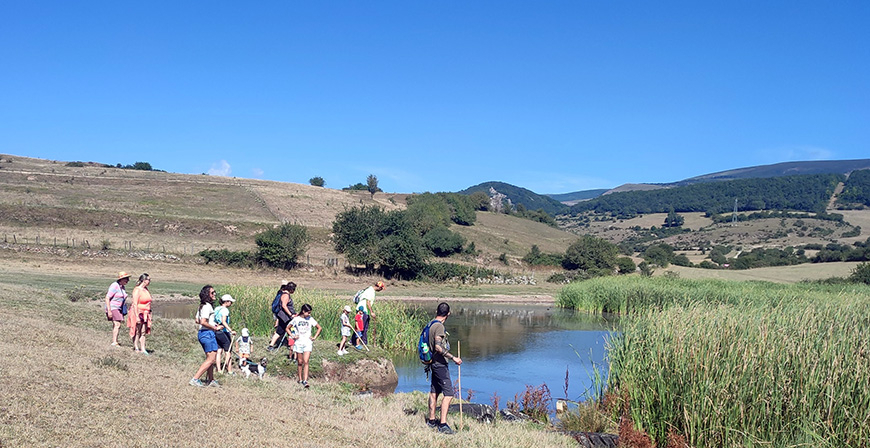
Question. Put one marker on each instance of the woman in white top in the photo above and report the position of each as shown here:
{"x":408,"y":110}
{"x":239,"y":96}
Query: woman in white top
{"x":207,"y":327}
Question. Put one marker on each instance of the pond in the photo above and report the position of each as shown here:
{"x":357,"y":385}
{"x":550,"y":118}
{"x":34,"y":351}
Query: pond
{"x":505,"y":347}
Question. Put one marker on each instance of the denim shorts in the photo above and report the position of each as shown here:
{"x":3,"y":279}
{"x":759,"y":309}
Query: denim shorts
{"x":207,"y":340}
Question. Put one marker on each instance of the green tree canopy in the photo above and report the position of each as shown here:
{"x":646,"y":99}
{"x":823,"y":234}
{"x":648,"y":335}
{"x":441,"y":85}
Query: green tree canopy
{"x":591,"y":253}
{"x":282,"y":246}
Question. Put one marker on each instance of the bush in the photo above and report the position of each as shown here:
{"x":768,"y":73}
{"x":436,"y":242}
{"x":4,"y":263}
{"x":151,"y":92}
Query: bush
{"x":228,"y":257}
{"x":317,"y":181}
{"x":282,"y":246}
{"x":537,"y":258}
{"x":448,"y":271}
{"x":590,"y":252}
{"x":443,"y":242}
{"x":861,"y":274}
{"x":625,"y":265}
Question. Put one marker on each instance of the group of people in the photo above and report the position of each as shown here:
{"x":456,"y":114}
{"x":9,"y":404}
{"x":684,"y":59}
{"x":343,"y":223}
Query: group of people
{"x":215,"y":334}
{"x":137,"y":317}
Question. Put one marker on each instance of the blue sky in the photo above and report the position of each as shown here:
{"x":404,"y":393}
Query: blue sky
{"x":554,"y":96}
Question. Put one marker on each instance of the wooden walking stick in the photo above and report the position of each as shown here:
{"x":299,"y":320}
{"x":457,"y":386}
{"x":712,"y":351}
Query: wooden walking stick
{"x":459,"y":379}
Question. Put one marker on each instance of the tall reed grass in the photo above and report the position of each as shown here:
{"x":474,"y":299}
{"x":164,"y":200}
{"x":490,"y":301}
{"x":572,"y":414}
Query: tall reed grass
{"x":739,"y":363}
{"x":396,"y":328}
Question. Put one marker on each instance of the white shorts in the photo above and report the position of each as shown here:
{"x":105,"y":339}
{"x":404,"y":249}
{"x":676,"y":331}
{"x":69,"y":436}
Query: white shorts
{"x":345,"y":331}
{"x":303,"y":345}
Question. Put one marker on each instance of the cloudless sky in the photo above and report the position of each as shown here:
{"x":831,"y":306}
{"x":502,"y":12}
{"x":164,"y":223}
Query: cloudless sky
{"x":554,"y":96}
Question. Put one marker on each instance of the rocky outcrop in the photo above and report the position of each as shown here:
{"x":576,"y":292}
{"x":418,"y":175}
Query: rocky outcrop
{"x":367,"y":373}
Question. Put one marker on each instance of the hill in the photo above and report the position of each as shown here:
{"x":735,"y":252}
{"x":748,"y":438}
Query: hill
{"x":519,"y":195}
{"x":56,"y":208}
{"x":577,"y":196}
{"x":782,"y":169}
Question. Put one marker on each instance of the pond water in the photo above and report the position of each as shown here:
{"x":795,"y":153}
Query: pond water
{"x":505,"y":347}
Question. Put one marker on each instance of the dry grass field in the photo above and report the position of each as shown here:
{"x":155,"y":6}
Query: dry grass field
{"x":63,"y":385}
{"x":776,"y":274}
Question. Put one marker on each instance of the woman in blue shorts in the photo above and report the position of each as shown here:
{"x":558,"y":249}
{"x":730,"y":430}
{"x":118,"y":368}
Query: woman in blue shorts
{"x":207,"y":327}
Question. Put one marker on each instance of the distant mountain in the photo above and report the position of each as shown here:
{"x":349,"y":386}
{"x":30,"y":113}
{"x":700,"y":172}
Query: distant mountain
{"x":781,"y":169}
{"x":577,"y":196}
{"x":752,"y":172}
{"x":520,"y":195}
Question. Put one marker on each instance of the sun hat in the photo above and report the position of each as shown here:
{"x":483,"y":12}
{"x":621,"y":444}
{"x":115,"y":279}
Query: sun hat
{"x":123,"y":274}
{"x":347,"y":308}
{"x":244,"y":332}
{"x":227,"y":298}
{"x":380,"y":284}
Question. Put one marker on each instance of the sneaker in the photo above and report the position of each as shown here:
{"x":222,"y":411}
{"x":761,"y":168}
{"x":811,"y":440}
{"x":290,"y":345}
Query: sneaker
{"x":432,"y":423}
{"x":195,"y":382}
{"x":305,"y":384}
{"x":340,"y":352}
{"x":144,"y":352}
{"x":214,"y":383}
{"x":344,"y":352}
{"x":271,"y":348}
{"x":358,"y":347}
{"x":115,"y":344}
{"x":444,"y":428}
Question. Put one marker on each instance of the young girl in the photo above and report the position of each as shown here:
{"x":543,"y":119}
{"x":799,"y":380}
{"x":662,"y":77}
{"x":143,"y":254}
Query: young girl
{"x":303,"y":323}
{"x":345,"y":330}
{"x":243,"y":347}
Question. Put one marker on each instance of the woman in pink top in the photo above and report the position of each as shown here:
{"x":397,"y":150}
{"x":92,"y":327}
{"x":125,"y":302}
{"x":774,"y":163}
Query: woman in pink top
{"x":115,"y":299}
{"x":139,"y":320}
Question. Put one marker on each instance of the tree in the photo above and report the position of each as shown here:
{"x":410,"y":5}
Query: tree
{"x":626,"y":265}
{"x":659,"y":254}
{"x":317,"y":181}
{"x":443,"y":242}
{"x":355,"y":234}
{"x":282,"y":246}
{"x":591,"y":253}
{"x":645,"y":269}
{"x":372,"y":184}
{"x":861,"y":274}
{"x":673,"y":219}
{"x":400,"y":249}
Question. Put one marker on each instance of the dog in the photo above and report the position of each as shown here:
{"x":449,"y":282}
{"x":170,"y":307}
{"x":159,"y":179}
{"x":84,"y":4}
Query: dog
{"x":253,"y":368}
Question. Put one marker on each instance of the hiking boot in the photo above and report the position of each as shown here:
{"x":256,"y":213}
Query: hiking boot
{"x":444,"y":428}
{"x":432,"y":423}
{"x":214,"y":383}
{"x":195,"y":382}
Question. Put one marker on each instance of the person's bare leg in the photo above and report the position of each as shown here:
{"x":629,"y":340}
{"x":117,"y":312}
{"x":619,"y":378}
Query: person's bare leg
{"x":209,"y":362}
{"x":116,"y":327}
{"x":433,"y":398}
{"x":445,"y":406}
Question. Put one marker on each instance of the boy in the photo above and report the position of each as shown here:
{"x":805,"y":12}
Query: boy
{"x":345,"y":330}
{"x":358,"y":319}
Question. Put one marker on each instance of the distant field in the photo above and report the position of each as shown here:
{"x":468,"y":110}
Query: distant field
{"x":514,"y":236}
{"x":778,"y":274}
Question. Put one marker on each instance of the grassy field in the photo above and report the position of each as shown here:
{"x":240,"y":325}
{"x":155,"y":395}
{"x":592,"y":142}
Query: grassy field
{"x":64,"y":385}
{"x":738,"y":363}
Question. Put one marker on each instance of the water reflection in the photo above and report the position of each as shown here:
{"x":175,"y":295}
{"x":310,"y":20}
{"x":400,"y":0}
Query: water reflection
{"x":507,"y":346}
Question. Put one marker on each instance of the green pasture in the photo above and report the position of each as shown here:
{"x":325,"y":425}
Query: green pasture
{"x":738,"y":363}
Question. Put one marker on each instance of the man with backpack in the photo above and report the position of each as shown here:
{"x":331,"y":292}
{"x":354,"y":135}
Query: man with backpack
{"x":364,"y":300}
{"x":440,"y":354}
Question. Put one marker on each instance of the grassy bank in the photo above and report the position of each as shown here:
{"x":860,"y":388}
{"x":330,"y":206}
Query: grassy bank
{"x":739,"y":364}
{"x":396,"y":327}
{"x":64,"y":385}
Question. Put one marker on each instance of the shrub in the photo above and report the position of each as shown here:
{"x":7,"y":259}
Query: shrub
{"x":82,"y":293}
{"x":625,"y":265}
{"x":861,"y":274}
{"x":448,"y":271}
{"x":537,"y":258}
{"x":228,"y":257}
{"x":590,"y":252}
{"x":317,"y":181}
{"x":443,"y":242}
{"x":281,"y":246}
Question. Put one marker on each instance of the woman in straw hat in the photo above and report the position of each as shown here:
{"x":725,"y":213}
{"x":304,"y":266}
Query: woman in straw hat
{"x":116,"y":300}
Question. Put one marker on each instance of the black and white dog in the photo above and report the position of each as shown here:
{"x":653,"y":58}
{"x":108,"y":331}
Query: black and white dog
{"x":251,"y":367}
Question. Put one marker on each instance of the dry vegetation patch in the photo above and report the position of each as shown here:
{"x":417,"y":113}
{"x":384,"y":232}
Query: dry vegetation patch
{"x":64,"y":385}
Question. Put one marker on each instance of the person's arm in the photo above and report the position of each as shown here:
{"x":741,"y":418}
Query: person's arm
{"x":109,"y":296}
{"x":203,"y":320}
{"x":136,"y":294}
{"x":287,"y":330}
{"x":319,"y":328}
{"x":443,"y":352}
{"x":285,"y":299}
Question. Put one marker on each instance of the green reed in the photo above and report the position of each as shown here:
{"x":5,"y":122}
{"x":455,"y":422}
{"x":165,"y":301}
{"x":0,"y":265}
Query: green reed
{"x":740,"y":363}
{"x":396,"y":326}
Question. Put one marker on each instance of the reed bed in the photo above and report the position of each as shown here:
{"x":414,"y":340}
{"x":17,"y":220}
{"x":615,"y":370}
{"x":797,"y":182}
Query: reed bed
{"x":740,"y":363}
{"x":396,"y":328}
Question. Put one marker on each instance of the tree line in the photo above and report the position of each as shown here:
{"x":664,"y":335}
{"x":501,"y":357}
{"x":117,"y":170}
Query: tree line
{"x":800,"y":192}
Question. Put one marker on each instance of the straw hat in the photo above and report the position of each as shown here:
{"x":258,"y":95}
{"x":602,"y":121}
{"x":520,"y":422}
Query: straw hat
{"x":123,"y":274}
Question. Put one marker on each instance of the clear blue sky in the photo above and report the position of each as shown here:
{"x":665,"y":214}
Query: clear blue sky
{"x":554,"y":96}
